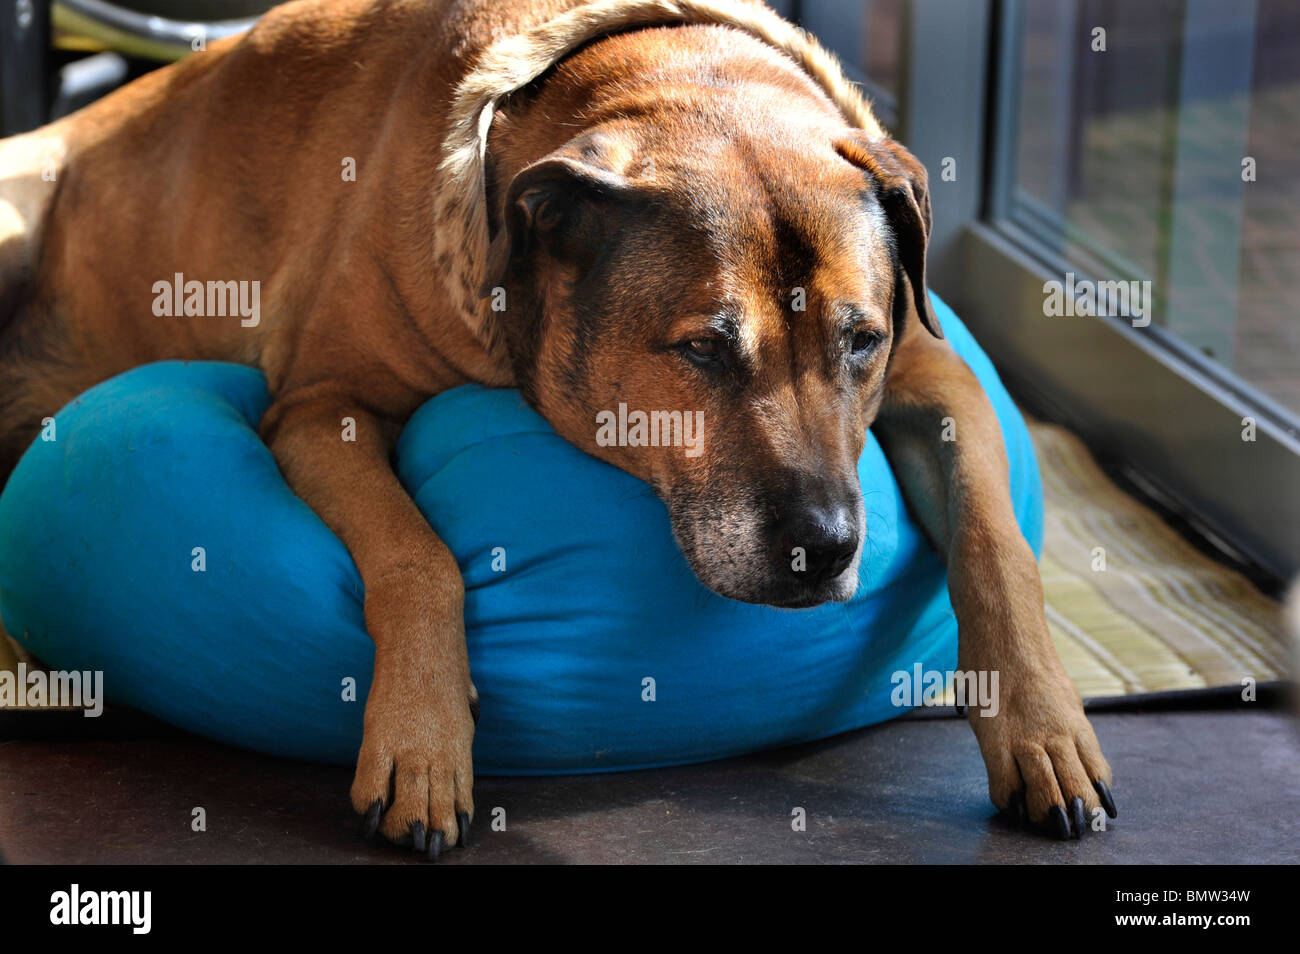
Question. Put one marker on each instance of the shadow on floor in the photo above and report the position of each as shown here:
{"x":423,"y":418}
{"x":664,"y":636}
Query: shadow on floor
{"x":1192,"y":787}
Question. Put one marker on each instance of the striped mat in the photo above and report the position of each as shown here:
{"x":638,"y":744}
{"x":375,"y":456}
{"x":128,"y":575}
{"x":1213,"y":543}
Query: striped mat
{"x":1133,"y":608}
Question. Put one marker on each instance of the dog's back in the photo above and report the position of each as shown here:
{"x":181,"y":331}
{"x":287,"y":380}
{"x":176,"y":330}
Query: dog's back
{"x":226,"y":166}
{"x":170,"y":174}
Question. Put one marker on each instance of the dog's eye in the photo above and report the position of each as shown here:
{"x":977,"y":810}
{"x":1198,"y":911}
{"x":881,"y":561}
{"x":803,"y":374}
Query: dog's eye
{"x":707,"y":352}
{"x":863,"y":343}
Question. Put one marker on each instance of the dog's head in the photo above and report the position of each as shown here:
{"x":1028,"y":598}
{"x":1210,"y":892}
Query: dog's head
{"x":713,"y":311}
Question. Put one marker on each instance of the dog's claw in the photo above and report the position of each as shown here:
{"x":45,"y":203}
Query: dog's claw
{"x":417,"y":836}
{"x":1078,"y":821}
{"x":473,"y":709}
{"x":370,"y":824}
{"x":1107,"y":800}
{"x":463,"y":819}
{"x":435,"y":846}
{"x":1015,"y":810}
{"x":1056,"y":815}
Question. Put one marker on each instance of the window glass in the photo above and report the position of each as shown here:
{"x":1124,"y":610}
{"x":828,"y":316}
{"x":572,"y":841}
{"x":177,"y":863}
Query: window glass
{"x":1159,"y":140}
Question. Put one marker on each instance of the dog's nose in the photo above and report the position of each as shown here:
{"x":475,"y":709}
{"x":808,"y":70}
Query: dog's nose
{"x":817,"y":543}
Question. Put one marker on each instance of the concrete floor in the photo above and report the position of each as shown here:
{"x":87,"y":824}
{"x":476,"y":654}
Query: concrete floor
{"x":1218,"y":786}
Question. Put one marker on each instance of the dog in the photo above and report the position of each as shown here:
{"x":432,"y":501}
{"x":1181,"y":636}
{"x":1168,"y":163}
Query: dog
{"x":664,"y":203}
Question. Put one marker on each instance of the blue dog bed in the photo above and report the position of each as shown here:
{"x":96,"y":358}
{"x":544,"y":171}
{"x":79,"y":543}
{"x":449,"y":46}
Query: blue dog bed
{"x":593,"y":649}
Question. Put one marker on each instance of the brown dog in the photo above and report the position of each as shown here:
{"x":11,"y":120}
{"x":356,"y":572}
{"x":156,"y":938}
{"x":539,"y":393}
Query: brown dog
{"x":667,"y":203}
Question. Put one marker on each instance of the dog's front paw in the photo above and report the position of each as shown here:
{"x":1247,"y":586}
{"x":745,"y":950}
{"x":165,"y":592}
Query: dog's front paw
{"x":1042,"y":756}
{"x":415,"y":776}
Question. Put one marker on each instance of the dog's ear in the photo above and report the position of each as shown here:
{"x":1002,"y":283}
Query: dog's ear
{"x":555,"y":204}
{"x":902,"y":188}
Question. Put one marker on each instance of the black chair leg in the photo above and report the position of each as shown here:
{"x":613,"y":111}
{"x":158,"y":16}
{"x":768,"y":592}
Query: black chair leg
{"x":26,"y":81}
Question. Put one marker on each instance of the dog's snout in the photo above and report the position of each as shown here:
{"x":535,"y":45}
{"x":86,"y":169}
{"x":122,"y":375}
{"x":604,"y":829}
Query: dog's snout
{"x":817,"y":542}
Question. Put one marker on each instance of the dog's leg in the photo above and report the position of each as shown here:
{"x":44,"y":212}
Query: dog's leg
{"x":1038,"y":746}
{"x":420,"y":714}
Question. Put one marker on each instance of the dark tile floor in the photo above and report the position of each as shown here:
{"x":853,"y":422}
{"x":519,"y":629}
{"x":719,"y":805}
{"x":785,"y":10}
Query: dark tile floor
{"x":1204,"y":786}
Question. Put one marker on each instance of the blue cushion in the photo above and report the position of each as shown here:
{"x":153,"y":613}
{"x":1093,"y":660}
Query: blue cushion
{"x":98,"y":529}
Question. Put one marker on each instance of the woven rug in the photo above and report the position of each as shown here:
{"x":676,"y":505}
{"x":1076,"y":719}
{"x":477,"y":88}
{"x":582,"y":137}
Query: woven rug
{"x":1133,"y":607}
